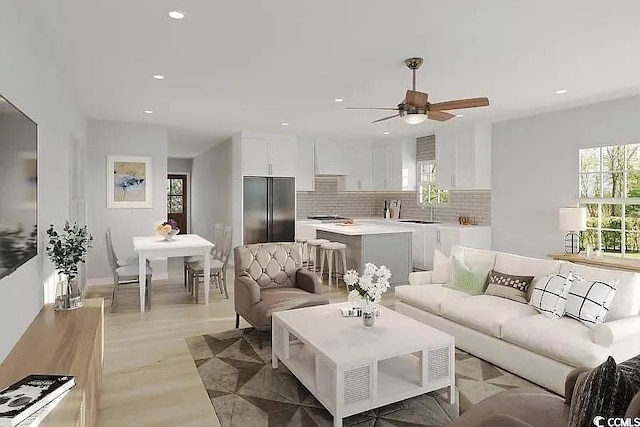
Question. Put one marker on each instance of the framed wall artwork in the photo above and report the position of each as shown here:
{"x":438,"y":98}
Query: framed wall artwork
{"x":129,"y":182}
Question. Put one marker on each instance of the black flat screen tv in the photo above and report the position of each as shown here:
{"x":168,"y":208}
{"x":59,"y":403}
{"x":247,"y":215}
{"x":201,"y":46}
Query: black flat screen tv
{"x":18,"y":188}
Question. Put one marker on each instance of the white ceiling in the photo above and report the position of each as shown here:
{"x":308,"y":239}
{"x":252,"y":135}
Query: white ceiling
{"x":250,"y":64}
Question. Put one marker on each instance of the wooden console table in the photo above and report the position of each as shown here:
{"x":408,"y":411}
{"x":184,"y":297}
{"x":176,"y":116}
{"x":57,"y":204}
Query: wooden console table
{"x":609,"y":262}
{"x":63,"y":343}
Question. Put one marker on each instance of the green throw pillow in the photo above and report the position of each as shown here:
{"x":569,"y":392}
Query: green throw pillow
{"x":466,"y":280}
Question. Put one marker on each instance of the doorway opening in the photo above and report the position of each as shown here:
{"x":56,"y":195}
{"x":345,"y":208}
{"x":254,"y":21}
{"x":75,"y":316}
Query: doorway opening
{"x":178,"y":200}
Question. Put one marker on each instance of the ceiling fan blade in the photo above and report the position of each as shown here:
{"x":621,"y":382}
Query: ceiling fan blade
{"x":365,"y":108}
{"x":459,"y":103}
{"x":417,"y":99}
{"x":441,"y":116}
{"x":385,"y":118}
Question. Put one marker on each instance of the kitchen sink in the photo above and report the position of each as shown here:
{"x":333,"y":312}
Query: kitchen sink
{"x":413,"y":221}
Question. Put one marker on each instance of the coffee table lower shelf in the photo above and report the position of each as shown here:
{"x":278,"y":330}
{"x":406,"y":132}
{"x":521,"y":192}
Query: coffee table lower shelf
{"x":364,"y":384}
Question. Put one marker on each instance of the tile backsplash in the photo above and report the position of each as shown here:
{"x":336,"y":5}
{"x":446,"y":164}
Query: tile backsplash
{"x":327,"y":199}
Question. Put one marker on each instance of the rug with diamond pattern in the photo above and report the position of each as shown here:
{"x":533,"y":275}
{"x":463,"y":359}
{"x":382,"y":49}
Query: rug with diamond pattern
{"x":245,"y":391}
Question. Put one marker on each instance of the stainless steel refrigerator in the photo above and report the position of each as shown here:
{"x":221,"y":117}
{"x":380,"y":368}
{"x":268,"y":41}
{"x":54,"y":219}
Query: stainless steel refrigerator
{"x":269,"y":209}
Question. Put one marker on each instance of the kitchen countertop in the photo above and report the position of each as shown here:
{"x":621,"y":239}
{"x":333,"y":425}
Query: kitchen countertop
{"x":392,"y":223}
{"x":362,"y":229}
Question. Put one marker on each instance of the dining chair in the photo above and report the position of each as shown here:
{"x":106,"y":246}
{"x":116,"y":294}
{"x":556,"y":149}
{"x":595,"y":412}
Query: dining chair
{"x":120,"y":262}
{"x":125,"y":274}
{"x":218,"y":231}
{"x":218,"y":266}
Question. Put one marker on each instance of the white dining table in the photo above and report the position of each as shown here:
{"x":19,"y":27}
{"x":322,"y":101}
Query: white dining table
{"x":182,"y":245}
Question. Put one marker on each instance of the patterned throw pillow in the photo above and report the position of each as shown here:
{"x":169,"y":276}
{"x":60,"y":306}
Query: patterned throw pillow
{"x":604,"y":391}
{"x":589,"y":301}
{"x":466,"y":280}
{"x":549,"y":294}
{"x":508,"y":286}
{"x":631,"y":368}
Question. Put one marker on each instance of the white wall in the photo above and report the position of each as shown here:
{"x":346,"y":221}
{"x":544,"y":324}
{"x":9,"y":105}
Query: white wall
{"x":127,"y":139}
{"x":535,"y":169}
{"x":211,"y":189}
{"x":179,"y":164}
{"x":28,"y":78}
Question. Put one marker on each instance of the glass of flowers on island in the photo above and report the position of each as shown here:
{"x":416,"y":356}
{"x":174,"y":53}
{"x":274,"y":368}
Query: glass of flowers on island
{"x":167,"y":229}
{"x":367,"y":290}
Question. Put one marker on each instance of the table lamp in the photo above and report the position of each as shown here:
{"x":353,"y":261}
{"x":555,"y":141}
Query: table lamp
{"x":572,"y":220}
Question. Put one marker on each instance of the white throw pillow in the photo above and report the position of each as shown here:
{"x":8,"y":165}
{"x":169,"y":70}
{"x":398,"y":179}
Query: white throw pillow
{"x":550,"y":293}
{"x":589,"y":300}
{"x":441,"y":268}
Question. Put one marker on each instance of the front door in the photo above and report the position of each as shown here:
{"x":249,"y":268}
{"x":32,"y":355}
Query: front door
{"x":177,"y":200}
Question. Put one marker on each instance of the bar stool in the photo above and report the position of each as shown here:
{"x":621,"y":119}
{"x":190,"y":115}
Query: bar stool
{"x":312,"y":252}
{"x":331,"y":251}
{"x":305,"y":248}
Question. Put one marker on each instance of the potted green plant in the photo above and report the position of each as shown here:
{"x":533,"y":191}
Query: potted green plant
{"x":67,"y":249}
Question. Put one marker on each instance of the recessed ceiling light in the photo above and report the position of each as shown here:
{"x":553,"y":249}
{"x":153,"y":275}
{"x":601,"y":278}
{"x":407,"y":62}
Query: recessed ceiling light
{"x":176,"y":14}
{"x":148,"y":112}
{"x":338,"y":100}
{"x":285,"y":124}
{"x":459,"y":115}
{"x":561,"y":91}
{"x":386,"y":133}
{"x":158,"y":77}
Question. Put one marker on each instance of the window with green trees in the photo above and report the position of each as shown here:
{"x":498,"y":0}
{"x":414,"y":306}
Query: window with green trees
{"x":610,"y":190}
{"x":428,"y":191}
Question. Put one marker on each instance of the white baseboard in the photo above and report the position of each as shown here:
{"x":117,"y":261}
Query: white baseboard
{"x":101,"y":281}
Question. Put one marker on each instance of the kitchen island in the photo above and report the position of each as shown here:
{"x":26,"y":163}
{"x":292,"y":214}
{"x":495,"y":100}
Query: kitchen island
{"x":378,"y":244}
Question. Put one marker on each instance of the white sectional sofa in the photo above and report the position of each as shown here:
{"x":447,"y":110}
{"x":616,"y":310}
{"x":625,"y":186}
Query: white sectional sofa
{"x":514,"y":335}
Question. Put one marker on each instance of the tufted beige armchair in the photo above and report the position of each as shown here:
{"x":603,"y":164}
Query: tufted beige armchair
{"x":269,"y":278}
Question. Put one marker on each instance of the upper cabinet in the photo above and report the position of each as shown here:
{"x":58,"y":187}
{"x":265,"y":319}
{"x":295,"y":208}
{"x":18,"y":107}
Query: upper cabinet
{"x":394,"y":165}
{"x":305,"y":165}
{"x":359,"y":169}
{"x":463,"y":157}
{"x":266,"y":155}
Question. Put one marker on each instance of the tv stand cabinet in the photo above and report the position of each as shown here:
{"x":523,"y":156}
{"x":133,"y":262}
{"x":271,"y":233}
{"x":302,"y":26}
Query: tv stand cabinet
{"x":63,"y":343}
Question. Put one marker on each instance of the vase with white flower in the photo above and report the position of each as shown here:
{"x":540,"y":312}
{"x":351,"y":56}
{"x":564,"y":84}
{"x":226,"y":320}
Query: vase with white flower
{"x":67,"y":249}
{"x":167,"y":229}
{"x":368,"y":289}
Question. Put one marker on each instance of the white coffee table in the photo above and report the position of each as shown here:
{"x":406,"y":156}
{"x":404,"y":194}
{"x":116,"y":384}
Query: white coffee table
{"x":351,"y":369}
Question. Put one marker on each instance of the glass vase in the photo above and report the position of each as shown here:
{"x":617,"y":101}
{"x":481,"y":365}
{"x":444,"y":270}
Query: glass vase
{"x":68,"y":295}
{"x":368,"y":317}
{"x":169,"y":236}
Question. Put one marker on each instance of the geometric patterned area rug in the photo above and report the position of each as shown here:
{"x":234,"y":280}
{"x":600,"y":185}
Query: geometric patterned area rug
{"x":245,"y":391}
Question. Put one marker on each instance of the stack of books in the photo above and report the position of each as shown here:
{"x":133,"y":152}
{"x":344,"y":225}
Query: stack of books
{"x":356,"y":311}
{"x":28,"y":401}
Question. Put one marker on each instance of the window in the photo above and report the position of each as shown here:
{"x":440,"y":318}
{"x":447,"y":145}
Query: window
{"x":428,"y":191}
{"x":609,"y":180}
{"x":175,"y":195}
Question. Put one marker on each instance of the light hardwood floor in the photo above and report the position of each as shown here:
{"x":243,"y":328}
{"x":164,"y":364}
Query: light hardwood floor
{"x":149,"y":376}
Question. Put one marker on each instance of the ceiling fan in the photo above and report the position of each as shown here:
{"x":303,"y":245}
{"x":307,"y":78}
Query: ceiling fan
{"x":415,"y":108}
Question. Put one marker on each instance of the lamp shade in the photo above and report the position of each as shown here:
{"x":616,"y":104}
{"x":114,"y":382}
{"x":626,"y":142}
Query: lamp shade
{"x":573,"y":219}
{"x":413,"y":118}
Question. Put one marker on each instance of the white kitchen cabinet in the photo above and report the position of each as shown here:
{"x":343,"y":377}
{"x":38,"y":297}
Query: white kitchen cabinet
{"x":394,"y":165}
{"x":447,"y":237}
{"x":255,"y":155}
{"x":282,"y":157}
{"x":305,"y":169}
{"x":359,"y":170}
{"x":380,"y":163}
{"x":463,"y":157}
{"x":268,"y":155}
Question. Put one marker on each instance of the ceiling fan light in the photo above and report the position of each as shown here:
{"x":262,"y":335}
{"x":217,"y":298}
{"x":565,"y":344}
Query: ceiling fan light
{"x":414,"y":119}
